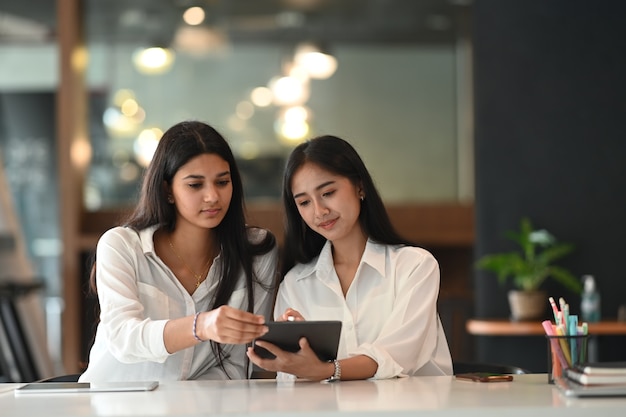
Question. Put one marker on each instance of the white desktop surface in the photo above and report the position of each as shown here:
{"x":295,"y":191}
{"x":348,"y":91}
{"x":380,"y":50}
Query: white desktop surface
{"x":526,"y":395}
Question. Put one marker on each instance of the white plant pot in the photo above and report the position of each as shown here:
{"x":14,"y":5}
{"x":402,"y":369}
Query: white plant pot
{"x":527,"y":305}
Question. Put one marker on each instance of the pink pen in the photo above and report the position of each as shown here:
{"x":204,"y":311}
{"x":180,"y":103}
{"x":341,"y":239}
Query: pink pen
{"x":555,"y":310}
{"x":556,"y":348}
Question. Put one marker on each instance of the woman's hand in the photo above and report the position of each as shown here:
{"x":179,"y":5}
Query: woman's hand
{"x":229,"y":325}
{"x":291,"y":315}
{"x":303,"y":363}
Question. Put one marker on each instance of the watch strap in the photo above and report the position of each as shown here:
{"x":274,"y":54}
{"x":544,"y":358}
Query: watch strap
{"x":336,"y":376}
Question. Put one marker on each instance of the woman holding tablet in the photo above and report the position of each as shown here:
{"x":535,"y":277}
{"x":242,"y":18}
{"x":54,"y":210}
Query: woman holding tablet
{"x":345,"y":262}
{"x":182,"y":270}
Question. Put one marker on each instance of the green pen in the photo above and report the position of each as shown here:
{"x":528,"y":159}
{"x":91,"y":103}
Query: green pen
{"x":583,"y":353}
{"x":573,"y":332}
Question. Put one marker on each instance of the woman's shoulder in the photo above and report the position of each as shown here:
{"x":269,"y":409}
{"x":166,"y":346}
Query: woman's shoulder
{"x":300,"y":270}
{"x":120,"y":231}
{"x":408,"y":252}
{"x":119,"y":235}
{"x":410,"y":249}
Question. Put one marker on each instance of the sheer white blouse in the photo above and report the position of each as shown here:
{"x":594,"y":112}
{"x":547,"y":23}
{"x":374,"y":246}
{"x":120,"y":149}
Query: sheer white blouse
{"x":138,"y":293}
{"x":389,"y":312}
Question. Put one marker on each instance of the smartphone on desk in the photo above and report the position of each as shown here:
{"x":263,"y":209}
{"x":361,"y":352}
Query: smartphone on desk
{"x":485,"y":377}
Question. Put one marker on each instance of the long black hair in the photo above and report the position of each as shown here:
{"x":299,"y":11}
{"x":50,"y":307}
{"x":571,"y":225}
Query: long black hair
{"x":335,"y":155}
{"x":179,"y":144}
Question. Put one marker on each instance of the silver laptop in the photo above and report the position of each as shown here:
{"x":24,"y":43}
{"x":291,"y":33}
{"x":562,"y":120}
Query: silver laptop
{"x":74,"y":387}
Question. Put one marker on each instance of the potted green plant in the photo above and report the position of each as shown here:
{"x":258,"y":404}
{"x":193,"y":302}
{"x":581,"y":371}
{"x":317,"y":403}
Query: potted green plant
{"x":529,"y":267}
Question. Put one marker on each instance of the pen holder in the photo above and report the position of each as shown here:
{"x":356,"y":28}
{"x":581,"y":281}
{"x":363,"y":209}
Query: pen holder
{"x":565,"y":352}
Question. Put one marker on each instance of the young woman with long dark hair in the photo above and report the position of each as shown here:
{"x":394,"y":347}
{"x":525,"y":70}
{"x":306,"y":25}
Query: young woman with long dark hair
{"x":184,"y":269}
{"x":344,"y":261}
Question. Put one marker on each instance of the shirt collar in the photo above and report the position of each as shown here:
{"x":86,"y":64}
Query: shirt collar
{"x":146,"y":236}
{"x":374,"y":256}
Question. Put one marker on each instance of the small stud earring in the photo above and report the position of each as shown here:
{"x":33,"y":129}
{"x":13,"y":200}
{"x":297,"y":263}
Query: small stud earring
{"x":362,"y":197}
{"x":170,"y":199}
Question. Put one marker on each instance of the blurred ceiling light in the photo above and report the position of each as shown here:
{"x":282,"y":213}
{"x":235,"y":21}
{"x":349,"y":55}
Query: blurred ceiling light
{"x":124,"y":116}
{"x":248,"y":150}
{"x":145,"y":145}
{"x":262,"y":96}
{"x":122,"y":95}
{"x":291,"y":126}
{"x":292,"y":133}
{"x":139,"y":116}
{"x":194,"y":16}
{"x":117,"y":124}
{"x":315,"y":60}
{"x":300,"y":73}
{"x":80,"y":58}
{"x":153,"y":60}
{"x":236,"y":124}
{"x":288,"y":91}
{"x":128,"y":172}
{"x":16,"y":28}
{"x":93,"y":197}
{"x":199,"y":40}
{"x":244,"y":110}
{"x":290,"y":19}
{"x":296,"y":114}
{"x":80,"y":152}
{"x":293,"y":69}
{"x":129,"y":107}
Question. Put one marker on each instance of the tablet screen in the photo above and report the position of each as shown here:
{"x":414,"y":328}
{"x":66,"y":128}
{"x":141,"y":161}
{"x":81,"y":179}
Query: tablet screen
{"x":322,"y":335}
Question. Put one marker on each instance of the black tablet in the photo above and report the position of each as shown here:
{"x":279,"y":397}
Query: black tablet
{"x":323,"y":336}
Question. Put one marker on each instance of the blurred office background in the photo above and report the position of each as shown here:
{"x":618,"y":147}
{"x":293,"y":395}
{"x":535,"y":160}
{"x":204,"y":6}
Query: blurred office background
{"x":470,"y":115}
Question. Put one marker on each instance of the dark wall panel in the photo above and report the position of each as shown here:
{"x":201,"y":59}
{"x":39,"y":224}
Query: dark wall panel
{"x":550,"y":102}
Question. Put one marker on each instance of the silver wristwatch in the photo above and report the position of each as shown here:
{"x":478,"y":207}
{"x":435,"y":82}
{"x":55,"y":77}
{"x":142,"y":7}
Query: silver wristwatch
{"x":336,"y":376}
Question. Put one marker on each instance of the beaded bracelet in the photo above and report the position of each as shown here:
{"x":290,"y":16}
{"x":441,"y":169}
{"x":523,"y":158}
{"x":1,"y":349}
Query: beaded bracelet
{"x":193,"y":329}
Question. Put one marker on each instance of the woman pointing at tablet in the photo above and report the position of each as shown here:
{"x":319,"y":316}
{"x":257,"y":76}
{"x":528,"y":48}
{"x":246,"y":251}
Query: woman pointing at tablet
{"x":182,"y":270}
{"x":344,"y":261}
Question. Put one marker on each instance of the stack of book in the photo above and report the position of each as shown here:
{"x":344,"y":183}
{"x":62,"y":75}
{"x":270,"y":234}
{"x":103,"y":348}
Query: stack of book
{"x":598,"y":373}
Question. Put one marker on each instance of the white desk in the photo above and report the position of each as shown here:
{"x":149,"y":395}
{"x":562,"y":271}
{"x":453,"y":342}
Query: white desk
{"x":527,"y":395}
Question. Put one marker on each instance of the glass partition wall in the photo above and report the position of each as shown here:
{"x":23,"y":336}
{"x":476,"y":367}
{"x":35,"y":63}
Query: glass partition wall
{"x":396,"y":101}
{"x":397,"y":86}
{"x":392,"y":77}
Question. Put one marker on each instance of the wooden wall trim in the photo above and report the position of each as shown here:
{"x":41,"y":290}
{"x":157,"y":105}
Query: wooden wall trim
{"x":436,"y":224}
{"x":71,"y":117}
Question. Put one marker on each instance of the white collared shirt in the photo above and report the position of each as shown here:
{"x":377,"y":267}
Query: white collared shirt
{"x":138,"y":294}
{"x":389,"y":312}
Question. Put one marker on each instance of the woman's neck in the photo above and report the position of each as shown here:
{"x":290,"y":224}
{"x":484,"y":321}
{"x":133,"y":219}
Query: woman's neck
{"x":197,"y":245}
{"x":347,"y":254}
{"x":349,"y":249}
